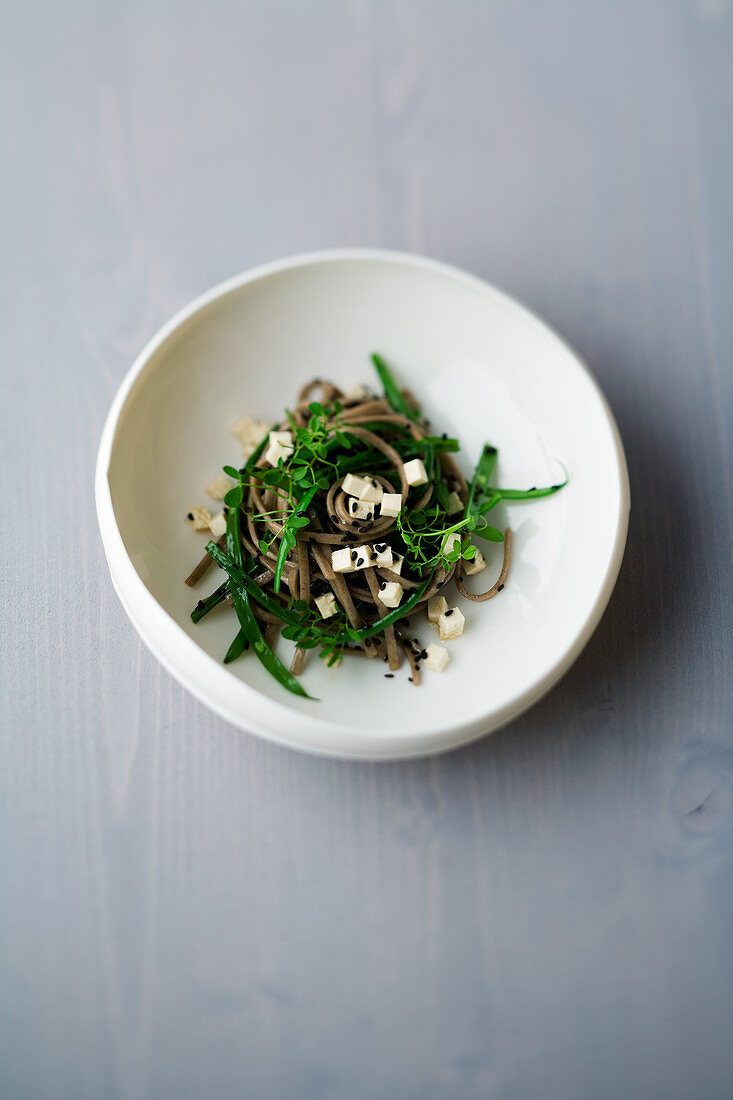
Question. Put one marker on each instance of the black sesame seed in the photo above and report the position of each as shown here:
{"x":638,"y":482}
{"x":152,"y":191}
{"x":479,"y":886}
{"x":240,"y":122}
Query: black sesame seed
{"x":389,"y":675}
{"x":190,"y":515}
{"x":374,"y":483}
{"x":500,"y":588}
{"x":410,"y":679}
{"x":449,"y":611}
{"x":424,"y":655}
{"x":359,"y":562}
{"x":335,"y":519}
{"x":354,"y":555}
{"x":369,"y":515}
{"x":345,"y":538}
{"x":380,"y":547}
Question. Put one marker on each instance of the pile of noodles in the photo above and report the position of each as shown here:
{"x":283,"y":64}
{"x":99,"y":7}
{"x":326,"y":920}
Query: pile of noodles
{"x":308,"y":573}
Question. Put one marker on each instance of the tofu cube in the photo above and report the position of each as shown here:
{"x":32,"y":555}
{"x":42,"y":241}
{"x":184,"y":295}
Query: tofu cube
{"x":391,"y":504}
{"x":436,"y":606}
{"x":326,"y":605}
{"x":373,"y":492}
{"x":354,"y":486}
{"x":415,"y":472}
{"x":358,"y":393}
{"x":437,"y":657}
{"x":250,"y":433}
{"x":278,"y":449}
{"x":284,"y":437}
{"x":475,"y":565}
{"x":219,"y":487}
{"x":455,"y":504}
{"x":391,"y":594}
{"x":218,"y":525}
{"x":361,"y":509}
{"x":341,"y":561}
{"x":450,"y":624}
{"x":397,"y":563}
{"x":451,"y":542}
{"x":363,"y":559}
{"x":382,"y":555}
{"x":199,"y":518}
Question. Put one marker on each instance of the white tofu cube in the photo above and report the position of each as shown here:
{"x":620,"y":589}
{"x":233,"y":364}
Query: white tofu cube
{"x":382,"y":555}
{"x":361,"y":509}
{"x":437,"y":657}
{"x":450,"y":624}
{"x":436,"y":606}
{"x":373,"y":492}
{"x":284,"y":437}
{"x":354,"y":486}
{"x":199,"y":518}
{"x":218,"y":525}
{"x":327,"y":605}
{"x":391,"y":504}
{"x":341,"y":561}
{"x":358,"y":393}
{"x":391,"y":594}
{"x":415,"y":472}
{"x":250,"y":433}
{"x":219,"y":487}
{"x":278,"y":450}
{"x":455,"y":504}
{"x":475,"y":565}
{"x":363,"y":559}
{"x":397,"y":563}
{"x":451,"y":542}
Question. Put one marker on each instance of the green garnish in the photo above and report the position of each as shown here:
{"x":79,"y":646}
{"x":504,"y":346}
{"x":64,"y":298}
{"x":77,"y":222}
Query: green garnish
{"x":296,"y":521}
{"x":391,"y":389}
{"x":249,"y":632}
{"x":288,"y":505}
{"x":203,"y":607}
{"x":253,"y":634}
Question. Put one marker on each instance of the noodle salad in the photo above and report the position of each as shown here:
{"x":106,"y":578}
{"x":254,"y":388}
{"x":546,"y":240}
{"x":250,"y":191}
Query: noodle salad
{"x":348,"y":519}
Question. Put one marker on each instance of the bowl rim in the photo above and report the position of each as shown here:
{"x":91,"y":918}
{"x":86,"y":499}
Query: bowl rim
{"x":182,"y":656}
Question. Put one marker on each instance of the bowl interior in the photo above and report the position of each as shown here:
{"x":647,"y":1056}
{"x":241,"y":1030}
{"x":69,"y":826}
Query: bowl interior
{"x":483,"y":368}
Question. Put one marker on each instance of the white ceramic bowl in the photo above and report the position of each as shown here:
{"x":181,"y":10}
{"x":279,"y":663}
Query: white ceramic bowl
{"x":484,"y":368}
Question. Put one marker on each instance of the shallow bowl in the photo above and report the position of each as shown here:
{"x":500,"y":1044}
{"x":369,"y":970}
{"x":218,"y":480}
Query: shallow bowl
{"x":484,"y":368}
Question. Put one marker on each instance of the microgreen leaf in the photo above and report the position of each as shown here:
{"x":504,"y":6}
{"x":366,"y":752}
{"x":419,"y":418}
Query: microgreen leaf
{"x":234,"y":496}
{"x":491,"y":534}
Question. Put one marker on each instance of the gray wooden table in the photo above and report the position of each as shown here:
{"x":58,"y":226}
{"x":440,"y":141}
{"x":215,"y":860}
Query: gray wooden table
{"x":188,"y":912}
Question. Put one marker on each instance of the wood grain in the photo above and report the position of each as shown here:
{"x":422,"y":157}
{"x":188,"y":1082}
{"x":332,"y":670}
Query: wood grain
{"x":189,"y":912}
